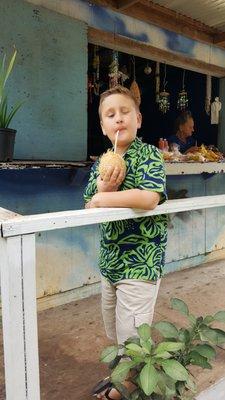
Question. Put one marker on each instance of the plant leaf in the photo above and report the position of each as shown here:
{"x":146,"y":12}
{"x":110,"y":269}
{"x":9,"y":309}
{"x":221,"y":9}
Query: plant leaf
{"x":180,"y":306}
{"x":191,"y":385}
{"x":197,"y":359}
{"x":220,"y":316}
{"x":10,"y":67}
{"x":184,"y":335}
{"x":144,"y":331}
{"x":109,"y":354}
{"x":215,"y":336}
{"x":132,"y":339}
{"x":167,"y":329}
{"x":12,"y":113}
{"x":163,"y":354}
{"x":192,"y":319}
{"x":169,"y":346}
{"x":175,"y":370}
{"x":205,"y":350}
{"x":208,"y":319}
{"x":121,"y":371}
{"x":220,"y":336}
{"x":146,"y":345}
{"x":134,"y":347}
{"x":148,"y":378}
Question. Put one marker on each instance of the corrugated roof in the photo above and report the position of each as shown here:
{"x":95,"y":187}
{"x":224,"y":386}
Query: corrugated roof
{"x":209,"y":12}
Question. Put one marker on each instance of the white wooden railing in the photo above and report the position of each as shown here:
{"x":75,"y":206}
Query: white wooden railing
{"x":18,"y":281}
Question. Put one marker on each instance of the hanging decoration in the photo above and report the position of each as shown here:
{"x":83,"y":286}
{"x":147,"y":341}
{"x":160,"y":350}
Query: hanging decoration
{"x":147,"y":69}
{"x":124,"y":74}
{"x":96,"y":68}
{"x":164,"y":97}
{"x":182,"y":101}
{"x":114,"y":73}
{"x":215,"y":110}
{"x":208,"y":93}
{"x":116,"y":76}
{"x":134,"y":88}
{"x":157,"y":82}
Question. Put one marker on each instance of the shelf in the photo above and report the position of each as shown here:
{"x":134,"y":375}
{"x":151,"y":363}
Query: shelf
{"x":182,"y":168}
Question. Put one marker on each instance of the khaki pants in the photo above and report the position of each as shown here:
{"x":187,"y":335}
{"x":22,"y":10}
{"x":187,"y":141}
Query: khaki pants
{"x":126,"y":305}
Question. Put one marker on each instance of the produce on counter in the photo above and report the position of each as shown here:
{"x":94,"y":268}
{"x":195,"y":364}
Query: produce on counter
{"x":200,"y":154}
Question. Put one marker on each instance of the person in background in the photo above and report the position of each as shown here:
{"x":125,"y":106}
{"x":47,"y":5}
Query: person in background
{"x":184,"y":128}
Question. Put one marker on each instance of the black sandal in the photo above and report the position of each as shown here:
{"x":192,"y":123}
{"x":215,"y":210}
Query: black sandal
{"x":107,"y":394}
{"x":104,"y":384}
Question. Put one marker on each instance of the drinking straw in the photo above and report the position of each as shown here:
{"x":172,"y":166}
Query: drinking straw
{"x":117,"y":134}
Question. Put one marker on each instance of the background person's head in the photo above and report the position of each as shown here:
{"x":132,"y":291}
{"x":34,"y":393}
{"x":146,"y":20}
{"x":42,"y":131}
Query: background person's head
{"x":184,"y":124}
{"x":119,"y":111}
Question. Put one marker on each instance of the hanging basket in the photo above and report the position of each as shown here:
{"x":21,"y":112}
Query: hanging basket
{"x":182,"y":101}
{"x":164,"y":102}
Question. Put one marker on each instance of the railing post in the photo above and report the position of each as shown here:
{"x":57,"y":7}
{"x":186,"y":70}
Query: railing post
{"x":19,"y":317}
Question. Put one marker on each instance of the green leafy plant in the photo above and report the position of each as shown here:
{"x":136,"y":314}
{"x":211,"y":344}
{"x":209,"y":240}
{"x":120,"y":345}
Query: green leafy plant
{"x":6,"y":114}
{"x":160,"y":370}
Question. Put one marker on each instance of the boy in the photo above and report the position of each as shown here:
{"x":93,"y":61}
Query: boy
{"x":132,"y":251}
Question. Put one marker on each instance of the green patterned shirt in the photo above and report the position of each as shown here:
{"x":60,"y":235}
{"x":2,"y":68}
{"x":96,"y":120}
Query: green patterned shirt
{"x":135,"y":248}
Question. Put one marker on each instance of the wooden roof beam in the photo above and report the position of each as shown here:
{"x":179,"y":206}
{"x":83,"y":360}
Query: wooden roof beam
{"x":219,"y":39}
{"x":124,"y":4}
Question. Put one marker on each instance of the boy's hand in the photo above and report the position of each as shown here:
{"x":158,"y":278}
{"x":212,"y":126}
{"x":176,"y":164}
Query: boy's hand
{"x":111,"y":180}
{"x":93,"y":203}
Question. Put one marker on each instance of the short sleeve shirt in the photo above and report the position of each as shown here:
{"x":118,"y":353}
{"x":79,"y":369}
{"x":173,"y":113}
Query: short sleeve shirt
{"x":135,"y":248}
{"x":182,"y":146}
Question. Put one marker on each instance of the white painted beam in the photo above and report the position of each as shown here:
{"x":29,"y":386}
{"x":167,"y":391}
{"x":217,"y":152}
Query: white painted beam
{"x":19,"y":318}
{"x":69,"y":219}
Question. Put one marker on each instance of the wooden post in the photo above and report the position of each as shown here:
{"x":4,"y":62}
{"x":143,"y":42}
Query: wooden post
{"x":19,"y":317}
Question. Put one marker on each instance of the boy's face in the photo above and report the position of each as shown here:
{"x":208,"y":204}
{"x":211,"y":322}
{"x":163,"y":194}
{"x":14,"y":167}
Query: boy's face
{"x":118,"y":112}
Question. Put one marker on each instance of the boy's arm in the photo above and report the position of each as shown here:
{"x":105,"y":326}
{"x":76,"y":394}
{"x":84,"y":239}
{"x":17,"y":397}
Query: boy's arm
{"x":131,"y":198}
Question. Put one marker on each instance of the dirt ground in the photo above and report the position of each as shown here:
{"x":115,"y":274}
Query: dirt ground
{"x":71,"y":337}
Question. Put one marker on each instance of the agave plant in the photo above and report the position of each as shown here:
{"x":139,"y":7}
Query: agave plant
{"x":160,"y":370}
{"x":6,"y":114}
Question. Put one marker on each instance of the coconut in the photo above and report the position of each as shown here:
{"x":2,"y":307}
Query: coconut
{"x":111,"y":159}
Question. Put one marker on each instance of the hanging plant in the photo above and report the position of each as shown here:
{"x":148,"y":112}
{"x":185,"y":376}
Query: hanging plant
{"x":164,"y":97}
{"x":147,"y":69}
{"x":182,"y":101}
{"x":157,"y":82}
{"x":114,"y":73}
{"x":134,"y":88}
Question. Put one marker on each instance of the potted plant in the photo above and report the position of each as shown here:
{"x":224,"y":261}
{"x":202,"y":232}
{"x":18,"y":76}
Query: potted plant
{"x":7,"y":135}
{"x":160,"y":370}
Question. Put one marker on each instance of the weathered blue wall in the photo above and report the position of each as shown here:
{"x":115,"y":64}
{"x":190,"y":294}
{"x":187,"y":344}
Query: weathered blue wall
{"x":111,"y":21}
{"x":50,"y":75}
{"x":68,"y":258}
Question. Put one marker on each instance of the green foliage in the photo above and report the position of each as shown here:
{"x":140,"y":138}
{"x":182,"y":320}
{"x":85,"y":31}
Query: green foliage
{"x":160,"y":370}
{"x":6,"y":114}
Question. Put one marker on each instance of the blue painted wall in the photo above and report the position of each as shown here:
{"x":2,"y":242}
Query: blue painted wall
{"x":50,"y":75}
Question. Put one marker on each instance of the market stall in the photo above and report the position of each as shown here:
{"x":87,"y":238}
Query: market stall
{"x":167,"y":91}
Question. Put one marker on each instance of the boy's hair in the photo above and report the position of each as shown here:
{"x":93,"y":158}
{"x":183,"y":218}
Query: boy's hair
{"x":117,"y":90}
